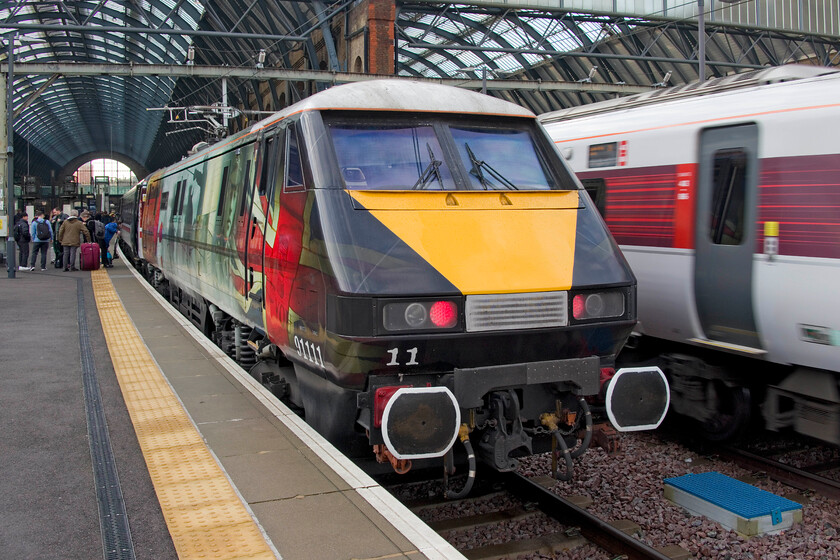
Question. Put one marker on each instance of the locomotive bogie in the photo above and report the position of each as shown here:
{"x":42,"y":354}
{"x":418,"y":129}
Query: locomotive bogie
{"x":398,"y":251}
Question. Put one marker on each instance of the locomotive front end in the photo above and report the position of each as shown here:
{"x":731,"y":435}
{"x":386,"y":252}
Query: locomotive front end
{"x":471,"y":291}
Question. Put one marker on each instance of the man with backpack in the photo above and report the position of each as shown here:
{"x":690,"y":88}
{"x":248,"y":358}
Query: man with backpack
{"x":42,"y":234}
{"x":22,"y":238}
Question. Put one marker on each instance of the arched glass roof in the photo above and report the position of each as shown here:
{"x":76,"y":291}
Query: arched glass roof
{"x":522,"y":50}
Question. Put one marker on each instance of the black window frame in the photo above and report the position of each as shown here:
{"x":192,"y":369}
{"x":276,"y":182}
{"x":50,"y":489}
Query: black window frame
{"x":546,"y":153}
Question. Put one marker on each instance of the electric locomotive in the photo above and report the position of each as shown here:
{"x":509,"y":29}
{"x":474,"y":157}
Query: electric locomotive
{"x":724,"y":197}
{"x":409,"y":264}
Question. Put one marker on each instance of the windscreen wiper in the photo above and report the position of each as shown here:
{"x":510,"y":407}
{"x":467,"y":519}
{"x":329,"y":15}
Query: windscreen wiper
{"x":432,"y":170}
{"x":476,"y":170}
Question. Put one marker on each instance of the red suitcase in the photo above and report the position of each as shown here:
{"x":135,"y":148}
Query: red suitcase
{"x":90,"y":256}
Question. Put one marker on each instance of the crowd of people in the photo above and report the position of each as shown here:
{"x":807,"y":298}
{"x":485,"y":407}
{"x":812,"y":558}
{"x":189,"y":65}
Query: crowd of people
{"x":65,"y":234}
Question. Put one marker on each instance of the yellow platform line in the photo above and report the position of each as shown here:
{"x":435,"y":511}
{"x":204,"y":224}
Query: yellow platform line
{"x":205,"y":515}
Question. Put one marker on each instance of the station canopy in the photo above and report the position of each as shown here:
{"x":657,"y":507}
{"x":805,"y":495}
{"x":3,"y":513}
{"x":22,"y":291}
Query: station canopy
{"x":544,"y":59}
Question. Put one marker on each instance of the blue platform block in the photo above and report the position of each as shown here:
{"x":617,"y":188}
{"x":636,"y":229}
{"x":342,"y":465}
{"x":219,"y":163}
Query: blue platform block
{"x":732,"y":503}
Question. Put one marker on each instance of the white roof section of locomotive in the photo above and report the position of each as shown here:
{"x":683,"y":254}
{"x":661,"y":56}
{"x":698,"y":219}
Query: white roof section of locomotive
{"x":407,"y":95}
{"x":379,"y":96}
{"x":667,"y":132}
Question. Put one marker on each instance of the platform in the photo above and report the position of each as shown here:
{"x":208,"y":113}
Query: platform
{"x":206,"y":462}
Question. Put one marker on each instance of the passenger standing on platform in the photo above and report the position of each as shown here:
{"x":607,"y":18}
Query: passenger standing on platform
{"x":56,"y":220}
{"x":22,"y":238}
{"x":41,"y":233}
{"x":69,"y":237}
{"x":110,"y":243}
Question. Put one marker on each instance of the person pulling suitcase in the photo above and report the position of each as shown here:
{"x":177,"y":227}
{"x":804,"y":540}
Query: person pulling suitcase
{"x":70,"y":238}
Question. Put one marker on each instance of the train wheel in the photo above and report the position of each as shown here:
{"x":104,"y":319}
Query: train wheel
{"x":731,"y":406}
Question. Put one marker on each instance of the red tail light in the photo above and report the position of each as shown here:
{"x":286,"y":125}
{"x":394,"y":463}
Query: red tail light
{"x":443,"y":314}
{"x":380,"y":399}
{"x":578,"y":306}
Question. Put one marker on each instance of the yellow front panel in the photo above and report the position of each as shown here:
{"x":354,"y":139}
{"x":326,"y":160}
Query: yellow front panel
{"x":486,"y":242}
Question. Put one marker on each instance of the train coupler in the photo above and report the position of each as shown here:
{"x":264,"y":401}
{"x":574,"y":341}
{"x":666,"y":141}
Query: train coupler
{"x":383,"y":455}
{"x":506,"y":435}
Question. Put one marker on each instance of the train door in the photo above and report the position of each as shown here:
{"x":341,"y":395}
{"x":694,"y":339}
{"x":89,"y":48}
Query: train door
{"x":139,"y":209}
{"x":255,"y":241}
{"x":725,"y":234}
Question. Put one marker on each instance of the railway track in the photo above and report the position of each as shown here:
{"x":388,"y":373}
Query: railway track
{"x":799,"y":478}
{"x":514,"y":501}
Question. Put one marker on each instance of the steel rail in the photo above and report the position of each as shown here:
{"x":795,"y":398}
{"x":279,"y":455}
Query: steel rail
{"x":594,"y":529}
{"x":792,"y":476}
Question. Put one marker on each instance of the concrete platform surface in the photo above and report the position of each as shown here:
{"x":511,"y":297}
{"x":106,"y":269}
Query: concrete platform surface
{"x":305,"y":498}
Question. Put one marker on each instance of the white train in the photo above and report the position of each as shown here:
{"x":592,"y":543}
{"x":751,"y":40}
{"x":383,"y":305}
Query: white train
{"x":725,"y":198}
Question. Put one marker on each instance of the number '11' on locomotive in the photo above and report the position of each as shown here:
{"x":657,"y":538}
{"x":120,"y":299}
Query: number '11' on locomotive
{"x":405,"y":262}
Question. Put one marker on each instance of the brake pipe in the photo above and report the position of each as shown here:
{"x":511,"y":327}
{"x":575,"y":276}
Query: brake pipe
{"x":567,"y":457}
{"x":587,"y":437}
{"x":449,"y":466}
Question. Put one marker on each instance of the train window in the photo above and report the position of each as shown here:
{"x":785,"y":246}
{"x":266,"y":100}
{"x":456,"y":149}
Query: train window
{"x":597,"y":189}
{"x":183,"y":197}
{"x":269,"y":163}
{"x":276,"y":187}
{"x":164,"y":199}
{"x":501,"y":158}
{"x":177,"y":197}
{"x":390,"y":156}
{"x":729,"y":190}
{"x":222,"y":190}
{"x":293,"y":167}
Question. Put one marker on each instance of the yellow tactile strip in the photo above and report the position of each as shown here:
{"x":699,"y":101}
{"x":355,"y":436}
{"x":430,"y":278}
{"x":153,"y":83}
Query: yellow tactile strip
{"x":205,"y":516}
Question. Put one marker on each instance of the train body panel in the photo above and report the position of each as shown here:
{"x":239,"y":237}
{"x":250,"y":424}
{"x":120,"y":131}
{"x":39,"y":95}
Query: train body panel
{"x":725,"y":199}
{"x":392,"y":238}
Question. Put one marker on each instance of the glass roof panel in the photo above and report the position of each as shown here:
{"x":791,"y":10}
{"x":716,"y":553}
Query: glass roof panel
{"x":73,"y":113}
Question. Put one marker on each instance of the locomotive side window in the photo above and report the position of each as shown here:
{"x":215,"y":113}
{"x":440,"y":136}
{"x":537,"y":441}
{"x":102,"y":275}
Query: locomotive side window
{"x":498,"y":158}
{"x":269,"y":163}
{"x":390,"y":157}
{"x":164,"y":199}
{"x":729,"y":189}
{"x":222,"y":190}
{"x":276,"y":178}
{"x":293,"y":167}
{"x":177,"y":197}
{"x":183,"y":197}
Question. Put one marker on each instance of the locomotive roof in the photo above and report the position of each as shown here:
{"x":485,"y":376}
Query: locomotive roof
{"x":790,"y":72}
{"x":404,"y":95}
{"x":375,"y":95}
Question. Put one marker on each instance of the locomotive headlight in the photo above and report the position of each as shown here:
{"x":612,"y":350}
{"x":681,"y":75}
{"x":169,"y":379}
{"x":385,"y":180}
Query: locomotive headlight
{"x":415,"y":315}
{"x":598,"y":305}
{"x":430,"y":316}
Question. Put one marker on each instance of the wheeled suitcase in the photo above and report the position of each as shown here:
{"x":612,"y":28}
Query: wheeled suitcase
{"x":90,"y":256}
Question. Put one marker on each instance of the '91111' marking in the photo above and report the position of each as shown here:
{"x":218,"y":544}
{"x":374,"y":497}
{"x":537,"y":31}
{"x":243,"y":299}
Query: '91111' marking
{"x":412,"y":357}
{"x":309,"y":351}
